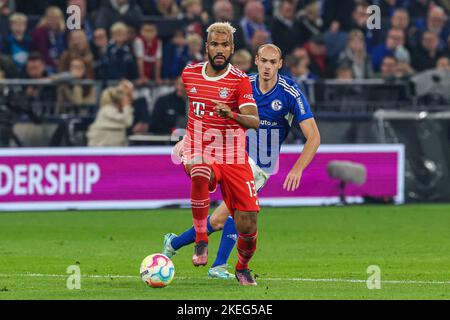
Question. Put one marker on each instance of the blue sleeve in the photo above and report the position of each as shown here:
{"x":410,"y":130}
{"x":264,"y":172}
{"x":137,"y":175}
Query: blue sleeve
{"x":299,"y":106}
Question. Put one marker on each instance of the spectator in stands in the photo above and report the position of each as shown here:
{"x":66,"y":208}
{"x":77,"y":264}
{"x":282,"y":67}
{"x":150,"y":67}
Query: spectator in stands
{"x":7,"y":68}
{"x":310,"y":22}
{"x":114,"y":11}
{"x":388,"y":67}
{"x":141,"y":116}
{"x":445,"y":4}
{"x":344,"y":72}
{"x":259,"y":38}
{"x":195,"y":46}
{"x":285,"y":28}
{"x":223,"y":11}
{"x":443,"y":63}
{"x":148,"y":51}
{"x":394,"y":45}
{"x":113,"y":119}
{"x":297,"y":66}
{"x":6,"y":8}
{"x":356,"y":57}
{"x":400,"y":20}
{"x":193,"y":17}
{"x":78,"y":47}
{"x":388,"y":7}
{"x":169,"y":112}
{"x":166,"y":8}
{"x":317,"y":52}
{"x":394,"y":69}
{"x":175,"y":56}
{"x":35,"y":69}
{"x":335,"y":41}
{"x":425,"y":56}
{"x":86,"y":23}
{"x":338,"y":11}
{"x":404,"y":71}
{"x":99,"y":44}
{"x":49,"y":38}
{"x":119,"y":61}
{"x":359,"y":16}
{"x":76,"y":95}
{"x":17,"y":44}
{"x":242,"y":59}
{"x":436,"y":22}
{"x":254,"y":19}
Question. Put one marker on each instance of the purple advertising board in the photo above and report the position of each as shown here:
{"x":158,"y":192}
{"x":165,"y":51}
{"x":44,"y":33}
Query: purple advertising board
{"x":146,"y":177}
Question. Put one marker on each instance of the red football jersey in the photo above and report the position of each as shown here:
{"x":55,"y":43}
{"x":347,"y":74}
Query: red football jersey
{"x":221,"y":139}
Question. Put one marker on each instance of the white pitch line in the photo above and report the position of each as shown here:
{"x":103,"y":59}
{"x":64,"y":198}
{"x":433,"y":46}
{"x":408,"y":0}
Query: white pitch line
{"x":40,"y":275}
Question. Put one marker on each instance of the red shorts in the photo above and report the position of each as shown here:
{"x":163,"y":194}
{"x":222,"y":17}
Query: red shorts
{"x":237,"y":185}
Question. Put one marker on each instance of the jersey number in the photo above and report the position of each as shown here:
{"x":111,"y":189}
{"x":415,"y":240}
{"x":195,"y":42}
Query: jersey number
{"x":251,"y":188}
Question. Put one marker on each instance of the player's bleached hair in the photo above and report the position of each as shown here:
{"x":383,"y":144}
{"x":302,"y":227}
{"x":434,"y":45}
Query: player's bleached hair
{"x":222,"y":27}
{"x":270,"y":45}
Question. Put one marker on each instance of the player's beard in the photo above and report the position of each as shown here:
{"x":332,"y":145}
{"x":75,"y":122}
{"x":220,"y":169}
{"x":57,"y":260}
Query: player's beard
{"x":219,"y":67}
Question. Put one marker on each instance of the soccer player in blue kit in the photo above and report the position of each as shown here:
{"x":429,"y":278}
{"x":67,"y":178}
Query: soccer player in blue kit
{"x":279,"y":102}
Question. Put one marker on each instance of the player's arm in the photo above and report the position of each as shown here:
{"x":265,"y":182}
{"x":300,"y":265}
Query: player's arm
{"x":312,"y":135}
{"x":248,"y":112}
{"x":248,"y":117}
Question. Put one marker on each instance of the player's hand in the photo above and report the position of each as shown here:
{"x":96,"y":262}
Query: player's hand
{"x":293,"y":178}
{"x":222,"y":109}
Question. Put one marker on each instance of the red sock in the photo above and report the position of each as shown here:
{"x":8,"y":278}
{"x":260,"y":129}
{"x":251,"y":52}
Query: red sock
{"x":200,"y":175}
{"x":246,"y":247}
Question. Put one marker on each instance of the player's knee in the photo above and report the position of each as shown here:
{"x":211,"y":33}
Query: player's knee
{"x":217,"y":222}
{"x":247,"y":223}
{"x":247,"y":229}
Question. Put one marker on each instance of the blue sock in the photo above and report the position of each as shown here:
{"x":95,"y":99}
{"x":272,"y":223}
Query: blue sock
{"x":188,"y":236}
{"x":229,"y":238}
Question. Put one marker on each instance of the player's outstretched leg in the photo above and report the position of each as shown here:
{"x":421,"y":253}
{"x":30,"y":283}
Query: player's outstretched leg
{"x":172,"y":242}
{"x":200,"y":177}
{"x":227,"y":242}
{"x":246,"y":225}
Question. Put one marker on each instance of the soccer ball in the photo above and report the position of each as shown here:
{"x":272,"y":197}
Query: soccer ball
{"x":157,"y":270}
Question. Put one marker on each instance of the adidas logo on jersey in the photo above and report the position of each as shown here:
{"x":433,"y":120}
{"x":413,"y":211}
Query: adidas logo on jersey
{"x":193,"y":90}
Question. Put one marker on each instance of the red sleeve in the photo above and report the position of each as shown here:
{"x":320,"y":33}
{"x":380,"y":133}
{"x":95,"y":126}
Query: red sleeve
{"x":244,"y":93}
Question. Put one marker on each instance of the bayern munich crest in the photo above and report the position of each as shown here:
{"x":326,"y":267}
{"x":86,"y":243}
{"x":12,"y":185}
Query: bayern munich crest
{"x":276,"y":105}
{"x":223,"y":93}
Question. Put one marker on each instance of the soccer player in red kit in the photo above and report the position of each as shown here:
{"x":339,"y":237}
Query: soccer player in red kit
{"x":221,"y":108}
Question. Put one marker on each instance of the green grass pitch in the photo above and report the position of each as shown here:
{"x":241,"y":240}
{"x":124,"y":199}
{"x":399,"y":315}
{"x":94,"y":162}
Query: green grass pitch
{"x":303,"y":253}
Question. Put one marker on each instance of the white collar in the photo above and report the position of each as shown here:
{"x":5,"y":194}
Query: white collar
{"x":214,"y":78}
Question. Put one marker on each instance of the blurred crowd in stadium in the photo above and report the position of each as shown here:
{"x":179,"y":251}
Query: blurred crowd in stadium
{"x":148,"y":42}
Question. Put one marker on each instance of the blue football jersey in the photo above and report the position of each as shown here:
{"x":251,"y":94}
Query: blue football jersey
{"x":277,"y":109}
